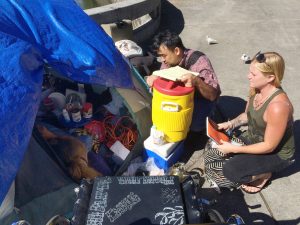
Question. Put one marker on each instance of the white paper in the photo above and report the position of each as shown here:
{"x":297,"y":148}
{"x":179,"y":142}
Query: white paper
{"x":120,"y":150}
{"x":173,"y":73}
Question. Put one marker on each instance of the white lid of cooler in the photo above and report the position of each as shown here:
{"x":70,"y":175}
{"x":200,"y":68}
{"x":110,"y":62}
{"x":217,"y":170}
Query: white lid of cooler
{"x":162,"y":150}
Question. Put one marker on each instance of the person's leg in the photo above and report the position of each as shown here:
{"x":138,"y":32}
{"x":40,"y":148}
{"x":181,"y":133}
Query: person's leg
{"x":254,"y":170}
{"x":258,"y":183}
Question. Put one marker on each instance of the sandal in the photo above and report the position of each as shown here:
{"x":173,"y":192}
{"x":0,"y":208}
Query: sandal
{"x":259,"y":188}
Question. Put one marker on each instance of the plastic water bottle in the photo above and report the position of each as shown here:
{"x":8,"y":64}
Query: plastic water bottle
{"x":76,"y":115}
{"x":81,"y":88}
{"x":66,"y":115}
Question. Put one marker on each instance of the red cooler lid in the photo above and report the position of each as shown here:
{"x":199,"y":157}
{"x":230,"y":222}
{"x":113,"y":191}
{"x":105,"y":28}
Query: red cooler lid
{"x":172,"y":88}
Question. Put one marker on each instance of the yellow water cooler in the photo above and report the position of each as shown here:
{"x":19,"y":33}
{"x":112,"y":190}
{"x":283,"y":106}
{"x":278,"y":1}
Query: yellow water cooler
{"x":172,"y":108}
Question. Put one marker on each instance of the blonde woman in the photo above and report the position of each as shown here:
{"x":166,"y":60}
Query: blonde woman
{"x":269,"y":139}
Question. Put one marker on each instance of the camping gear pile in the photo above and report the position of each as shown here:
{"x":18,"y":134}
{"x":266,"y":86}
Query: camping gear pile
{"x":85,"y":115}
{"x":33,"y":34}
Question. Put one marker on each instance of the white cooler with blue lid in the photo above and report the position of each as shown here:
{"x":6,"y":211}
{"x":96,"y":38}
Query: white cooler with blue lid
{"x":162,"y":150}
{"x":164,"y":155}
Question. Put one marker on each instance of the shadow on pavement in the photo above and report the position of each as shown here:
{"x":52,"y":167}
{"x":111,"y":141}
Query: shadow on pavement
{"x":295,"y":167}
{"x":229,"y":107}
{"x":171,"y":19}
{"x":195,"y":141}
{"x":232,"y":202}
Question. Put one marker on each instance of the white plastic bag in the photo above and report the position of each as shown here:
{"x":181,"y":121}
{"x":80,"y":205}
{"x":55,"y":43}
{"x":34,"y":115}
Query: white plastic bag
{"x":116,"y":103}
{"x":129,"y":48}
{"x":149,"y":165}
{"x":153,"y":169}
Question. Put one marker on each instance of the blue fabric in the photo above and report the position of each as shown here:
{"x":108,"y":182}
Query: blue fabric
{"x":57,"y":32}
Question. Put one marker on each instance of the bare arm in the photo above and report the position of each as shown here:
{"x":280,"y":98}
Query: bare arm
{"x":206,"y":90}
{"x":276,"y":117}
{"x":240,"y":120}
{"x":206,"y":82}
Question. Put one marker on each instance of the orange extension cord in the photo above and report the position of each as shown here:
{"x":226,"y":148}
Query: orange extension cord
{"x":116,"y":131}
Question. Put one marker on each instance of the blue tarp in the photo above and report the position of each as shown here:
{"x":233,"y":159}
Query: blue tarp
{"x":34,"y":32}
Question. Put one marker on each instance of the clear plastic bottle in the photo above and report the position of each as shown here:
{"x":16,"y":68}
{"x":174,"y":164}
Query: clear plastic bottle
{"x":76,"y":115}
{"x":66,"y":115}
{"x":73,"y":101}
{"x":74,"y":106}
{"x":81,"y":88}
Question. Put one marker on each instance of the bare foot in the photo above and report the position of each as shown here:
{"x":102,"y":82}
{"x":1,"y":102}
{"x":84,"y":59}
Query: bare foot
{"x":257,"y":185}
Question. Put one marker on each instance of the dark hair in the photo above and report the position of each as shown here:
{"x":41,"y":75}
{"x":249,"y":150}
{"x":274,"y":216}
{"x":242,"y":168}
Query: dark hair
{"x":169,"y":39}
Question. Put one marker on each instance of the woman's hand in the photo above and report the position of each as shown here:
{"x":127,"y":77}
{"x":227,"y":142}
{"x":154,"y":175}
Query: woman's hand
{"x":226,"y":147}
{"x":225,"y":126}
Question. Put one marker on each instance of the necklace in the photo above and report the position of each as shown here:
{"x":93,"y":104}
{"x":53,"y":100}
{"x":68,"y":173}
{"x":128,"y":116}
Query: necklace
{"x":257,"y":104}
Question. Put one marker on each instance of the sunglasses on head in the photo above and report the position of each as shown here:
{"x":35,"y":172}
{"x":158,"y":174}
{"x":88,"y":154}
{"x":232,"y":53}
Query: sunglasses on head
{"x":260,"y":57}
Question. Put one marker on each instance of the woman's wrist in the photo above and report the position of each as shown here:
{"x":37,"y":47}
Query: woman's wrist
{"x":230,"y":124}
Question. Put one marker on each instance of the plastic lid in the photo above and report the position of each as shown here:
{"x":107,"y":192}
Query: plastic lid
{"x":172,"y":88}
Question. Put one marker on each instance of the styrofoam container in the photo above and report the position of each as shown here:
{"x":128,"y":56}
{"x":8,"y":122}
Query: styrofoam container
{"x":162,"y":150}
